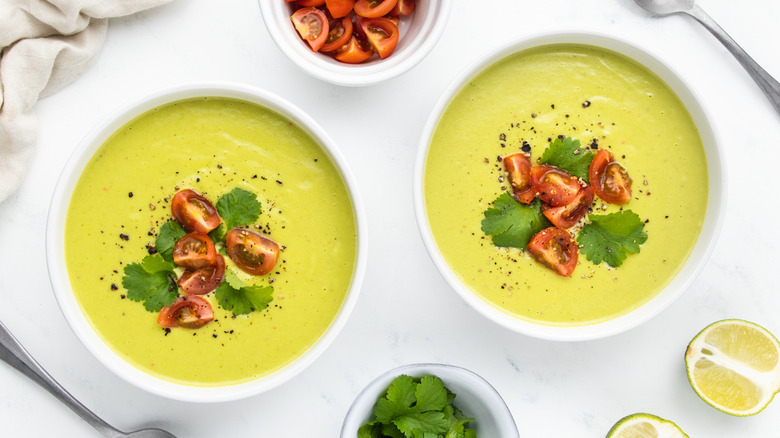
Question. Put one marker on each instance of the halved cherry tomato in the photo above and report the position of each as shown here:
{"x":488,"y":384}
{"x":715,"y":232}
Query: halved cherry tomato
{"x":354,"y":52}
{"x":567,"y":215}
{"x":382,"y":34}
{"x":194,"y":212}
{"x":312,"y":25}
{"x":553,"y":185}
{"x":194,"y":251}
{"x":339,"y":8}
{"x":252,"y":252}
{"x":204,"y":280}
{"x":555,"y":249}
{"x":374,"y":8}
{"x":307,"y":3}
{"x":518,"y":168}
{"x":609,"y":178}
{"x":403,"y":7}
{"x":189,"y":312}
{"x":339,"y":34}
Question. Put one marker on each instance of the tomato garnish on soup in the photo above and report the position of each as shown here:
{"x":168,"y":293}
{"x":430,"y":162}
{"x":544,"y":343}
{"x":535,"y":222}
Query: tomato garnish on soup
{"x":252,"y":252}
{"x":609,"y":178}
{"x":203,"y":280}
{"x":195,"y":250}
{"x":188,"y":312}
{"x":554,"y":186}
{"x":566,"y":216}
{"x":194,"y":212}
{"x":518,"y":169}
{"x":555,"y":249}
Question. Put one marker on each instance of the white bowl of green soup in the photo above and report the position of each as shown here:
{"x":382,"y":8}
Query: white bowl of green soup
{"x":207,"y":242}
{"x":569,"y":186}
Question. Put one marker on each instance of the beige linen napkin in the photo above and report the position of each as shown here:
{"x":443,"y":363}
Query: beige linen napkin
{"x":44,"y":45}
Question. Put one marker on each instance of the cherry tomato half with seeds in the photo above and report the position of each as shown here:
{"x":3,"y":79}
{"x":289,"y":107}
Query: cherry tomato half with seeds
{"x":339,"y":8}
{"x":194,"y":212}
{"x":194,"y":251}
{"x":188,"y":312}
{"x":518,"y":169}
{"x":566,"y":216}
{"x":554,"y":186}
{"x":354,"y":52}
{"x":312,"y":25}
{"x":339,"y":34}
{"x":374,"y":8}
{"x":555,"y":249}
{"x":307,"y":3}
{"x":382,"y":34}
{"x":252,"y":252}
{"x":203,"y":280}
{"x":403,"y":7}
{"x":609,"y":178}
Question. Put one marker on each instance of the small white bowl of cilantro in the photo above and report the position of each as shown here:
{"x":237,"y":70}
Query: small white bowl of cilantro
{"x":429,"y":399}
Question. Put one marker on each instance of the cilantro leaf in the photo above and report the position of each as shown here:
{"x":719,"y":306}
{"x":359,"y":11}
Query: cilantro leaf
{"x":243,"y":299}
{"x":612,"y":237}
{"x":151,"y":282}
{"x":512,"y":223}
{"x":427,"y":422}
{"x":416,"y":408}
{"x":239,"y":207}
{"x":169,"y":234}
{"x":567,"y":154}
{"x":430,"y":394}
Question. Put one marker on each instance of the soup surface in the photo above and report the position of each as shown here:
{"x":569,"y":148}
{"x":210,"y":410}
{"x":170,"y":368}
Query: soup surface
{"x":212,"y":145}
{"x":599,"y":97}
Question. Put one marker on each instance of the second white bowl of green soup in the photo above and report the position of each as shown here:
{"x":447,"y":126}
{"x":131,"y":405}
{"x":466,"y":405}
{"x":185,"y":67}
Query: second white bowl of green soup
{"x":569,"y":186}
{"x":184,"y":248}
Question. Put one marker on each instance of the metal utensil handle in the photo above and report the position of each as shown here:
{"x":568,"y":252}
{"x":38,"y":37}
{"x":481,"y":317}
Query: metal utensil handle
{"x":12,"y":352}
{"x":769,"y":85}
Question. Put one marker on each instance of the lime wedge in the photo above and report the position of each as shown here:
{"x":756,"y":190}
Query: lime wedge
{"x":734,"y":365}
{"x":645,"y":426}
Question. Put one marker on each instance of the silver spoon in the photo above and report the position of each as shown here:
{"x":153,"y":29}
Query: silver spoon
{"x":767,"y":83}
{"x":12,"y":352}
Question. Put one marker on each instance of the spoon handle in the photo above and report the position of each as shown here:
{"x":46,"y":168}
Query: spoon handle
{"x":12,"y":352}
{"x":765,"y":81}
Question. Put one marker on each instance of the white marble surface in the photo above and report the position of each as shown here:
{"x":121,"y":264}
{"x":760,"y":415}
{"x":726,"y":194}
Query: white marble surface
{"x":406,"y":312}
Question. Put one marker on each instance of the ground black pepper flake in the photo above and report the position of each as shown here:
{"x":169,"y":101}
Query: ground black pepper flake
{"x":526,"y":147}
{"x":114,"y":287}
{"x":278,"y":182}
{"x":502,"y":137}
{"x":586,"y":104}
{"x":533,"y":115}
{"x":166,"y":330}
{"x":130,"y":195}
{"x":124,"y":237}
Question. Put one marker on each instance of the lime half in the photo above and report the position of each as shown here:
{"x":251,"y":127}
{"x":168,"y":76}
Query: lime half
{"x":645,"y":426}
{"x":734,"y":365}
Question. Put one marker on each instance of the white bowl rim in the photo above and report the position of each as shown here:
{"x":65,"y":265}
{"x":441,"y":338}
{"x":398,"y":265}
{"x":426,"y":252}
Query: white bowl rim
{"x":716,"y":204}
{"x":353,"y":75}
{"x":380,"y":383}
{"x":55,"y":242}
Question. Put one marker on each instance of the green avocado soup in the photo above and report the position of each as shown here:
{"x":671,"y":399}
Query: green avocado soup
{"x":212,"y":145}
{"x":587,"y":93}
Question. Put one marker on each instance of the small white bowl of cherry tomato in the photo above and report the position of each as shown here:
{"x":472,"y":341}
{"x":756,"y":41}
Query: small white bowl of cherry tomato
{"x":355,"y":42}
